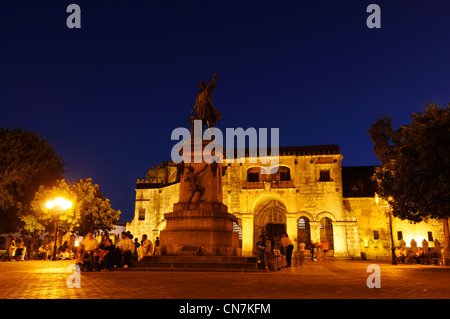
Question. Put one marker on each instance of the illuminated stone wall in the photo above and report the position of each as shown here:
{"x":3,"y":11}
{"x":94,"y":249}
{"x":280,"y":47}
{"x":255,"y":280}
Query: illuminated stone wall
{"x":418,"y":232}
{"x":155,"y":202}
{"x":303,"y":196}
{"x":359,"y":224}
{"x":371,"y":218}
{"x":374,"y":228}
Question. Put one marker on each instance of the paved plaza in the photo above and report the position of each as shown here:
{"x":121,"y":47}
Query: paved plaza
{"x":313,"y":280}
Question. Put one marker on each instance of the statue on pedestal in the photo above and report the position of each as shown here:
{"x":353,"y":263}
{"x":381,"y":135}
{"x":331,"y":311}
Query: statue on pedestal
{"x":206,"y":227}
{"x":204,"y":106}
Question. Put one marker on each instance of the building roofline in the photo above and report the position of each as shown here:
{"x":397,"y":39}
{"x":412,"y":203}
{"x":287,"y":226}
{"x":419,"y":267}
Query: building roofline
{"x":329,"y":149}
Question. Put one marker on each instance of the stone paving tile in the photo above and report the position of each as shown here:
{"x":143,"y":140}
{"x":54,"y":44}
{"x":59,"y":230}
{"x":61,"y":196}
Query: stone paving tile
{"x":334,"y":279}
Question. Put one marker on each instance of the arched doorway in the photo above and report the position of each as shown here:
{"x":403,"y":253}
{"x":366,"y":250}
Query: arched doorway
{"x":270,"y":220}
{"x":304,"y":231}
{"x":326,"y":231}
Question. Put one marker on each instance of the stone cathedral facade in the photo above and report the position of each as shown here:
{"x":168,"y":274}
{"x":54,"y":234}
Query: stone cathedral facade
{"x":311,"y":197}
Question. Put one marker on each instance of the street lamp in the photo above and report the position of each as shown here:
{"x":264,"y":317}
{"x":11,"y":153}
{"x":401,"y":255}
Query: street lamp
{"x":59,"y":205}
{"x":394,"y":258}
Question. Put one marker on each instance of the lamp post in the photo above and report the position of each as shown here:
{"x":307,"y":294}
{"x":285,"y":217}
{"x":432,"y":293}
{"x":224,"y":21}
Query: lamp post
{"x":58,"y":205}
{"x":394,"y":258}
{"x":389,"y":210}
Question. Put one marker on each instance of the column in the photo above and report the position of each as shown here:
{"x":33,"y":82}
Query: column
{"x":315,"y":231}
{"x":340,"y":240}
{"x":247,"y":234}
{"x":292,"y":228}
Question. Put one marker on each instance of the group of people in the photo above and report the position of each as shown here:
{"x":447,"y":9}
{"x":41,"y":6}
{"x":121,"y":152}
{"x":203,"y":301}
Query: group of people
{"x":17,"y":250}
{"x":318,"y":250}
{"x":104,"y":256}
{"x":401,"y":255}
{"x":64,"y":252}
{"x":263,"y":247}
{"x":146,"y":247}
{"x":92,"y":255}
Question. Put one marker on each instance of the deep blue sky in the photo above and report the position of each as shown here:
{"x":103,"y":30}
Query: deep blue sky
{"x":108,"y":95}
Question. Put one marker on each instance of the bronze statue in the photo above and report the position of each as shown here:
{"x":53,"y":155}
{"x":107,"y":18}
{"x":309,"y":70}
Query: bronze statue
{"x":204,"y":105}
{"x":180,"y":170}
{"x":191,"y":177}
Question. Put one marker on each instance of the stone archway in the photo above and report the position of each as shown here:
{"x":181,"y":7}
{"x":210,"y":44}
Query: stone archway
{"x":326,"y":232}
{"x":269,"y":219}
{"x":304,"y":231}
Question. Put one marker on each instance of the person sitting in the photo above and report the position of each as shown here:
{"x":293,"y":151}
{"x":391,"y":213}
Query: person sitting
{"x":416,"y":257}
{"x":64,"y":255}
{"x":91,"y":247}
{"x":146,"y":249}
{"x":157,"y":248}
{"x":136,"y":246}
{"x":261,"y":252}
{"x":42,"y":253}
{"x":12,"y":250}
{"x":48,"y":248}
{"x":20,"y":250}
{"x":403,"y":255}
{"x":81,"y":257}
{"x":63,"y":248}
{"x":126,"y":247}
{"x":420,"y":255}
{"x":397,"y":254}
{"x":71,"y":253}
{"x":107,"y":257}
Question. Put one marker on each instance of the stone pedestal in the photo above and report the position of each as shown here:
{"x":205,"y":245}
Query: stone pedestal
{"x":200,"y":226}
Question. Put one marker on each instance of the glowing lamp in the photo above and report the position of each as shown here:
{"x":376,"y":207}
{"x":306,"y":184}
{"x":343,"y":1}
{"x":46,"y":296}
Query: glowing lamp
{"x":60,"y":203}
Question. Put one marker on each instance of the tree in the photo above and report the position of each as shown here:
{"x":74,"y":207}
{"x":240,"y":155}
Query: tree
{"x":414,"y":175}
{"x":90,"y":212}
{"x":95,"y":209}
{"x":27,"y":161}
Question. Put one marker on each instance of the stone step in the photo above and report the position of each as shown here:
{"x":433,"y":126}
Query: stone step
{"x":307,"y":254}
{"x":196,"y":263}
{"x":191,"y":266}
{"x":203,"y":259}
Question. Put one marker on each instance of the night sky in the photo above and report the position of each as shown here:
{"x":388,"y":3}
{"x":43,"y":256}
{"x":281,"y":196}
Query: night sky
{"x":107,"y":96}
